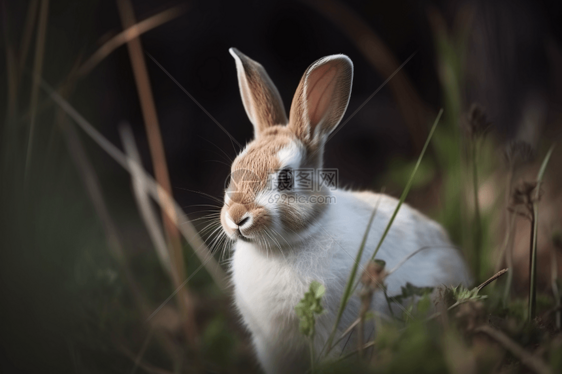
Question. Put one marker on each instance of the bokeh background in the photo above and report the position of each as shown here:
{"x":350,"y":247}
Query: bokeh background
{"x":66,"y":298}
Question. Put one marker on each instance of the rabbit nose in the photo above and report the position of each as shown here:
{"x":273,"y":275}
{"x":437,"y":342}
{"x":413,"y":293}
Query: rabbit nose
{"x":243,"y":221}
{"x":239,"y":215}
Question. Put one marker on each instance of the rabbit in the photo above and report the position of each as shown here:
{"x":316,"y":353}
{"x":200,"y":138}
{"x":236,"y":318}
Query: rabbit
{"x":285,"y":238}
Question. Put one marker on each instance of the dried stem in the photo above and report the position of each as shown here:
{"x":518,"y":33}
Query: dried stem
{"x":37,"y":68}
{"x":127,"y":35}
{"x":94,"y":190}
{"x":555,"y":288}
{"x":11,"y":70}
{"x":368,"y":345}
{"x":156,"y":146}
{"x":533,"y":267}
{"x":366,"y":298}
{"x":531,"y":361}
{"x":143,"y":200}
{"x":477,"y":220}
{"x":508,"y":240}
{"x":27,"y":35}
{"x":156,"y":192}
{"x":141,"y":364}
{"x":492,"y":278}
{"x":534,"y":233}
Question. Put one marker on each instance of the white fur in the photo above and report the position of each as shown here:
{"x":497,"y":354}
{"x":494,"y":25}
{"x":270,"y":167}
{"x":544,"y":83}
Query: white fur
{"x":268,"y":286}
{"x":290,"y":155}
{"x":230,"y":223}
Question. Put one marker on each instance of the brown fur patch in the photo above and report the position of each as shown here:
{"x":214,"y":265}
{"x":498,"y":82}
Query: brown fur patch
{"x":236,"y":211}
{"x":251,"y":170}
{"x":260,"y":96}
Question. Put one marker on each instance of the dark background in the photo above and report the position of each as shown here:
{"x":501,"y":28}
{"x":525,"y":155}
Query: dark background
{"x":50,"y":321}
{"x":515,"y":51}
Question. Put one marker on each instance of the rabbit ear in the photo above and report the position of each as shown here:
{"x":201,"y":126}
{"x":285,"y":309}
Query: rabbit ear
{"x":321,"y":99}
{"x":261,"y":99}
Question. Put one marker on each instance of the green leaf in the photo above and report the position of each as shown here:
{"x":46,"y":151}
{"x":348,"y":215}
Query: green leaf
{"x":409,"y":290}
{"x":318,"y":288}
{"x":310,"y":306}
{"x":460,"y":294}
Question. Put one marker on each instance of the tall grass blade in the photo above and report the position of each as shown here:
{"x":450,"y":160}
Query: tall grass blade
{"x":477,"y":228}
{"x":143,"y":201}
{"x":156,"y":192}
{"x":129,"y":34}
{"x":11,"y":69}
{"x":408,"y":185}
{"x":508,"y":243}
{"x":37,"y":68}
{"x":27,"y":35}
{"x":349,"y":286}
{"x":154,"y":229}
{"x":156,"y":147}
{"x":555,"y":282}
{"x":534,"y":234}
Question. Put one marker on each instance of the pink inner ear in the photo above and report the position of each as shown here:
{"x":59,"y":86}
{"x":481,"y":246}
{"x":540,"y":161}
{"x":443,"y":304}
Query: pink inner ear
{"x":320,"y":90}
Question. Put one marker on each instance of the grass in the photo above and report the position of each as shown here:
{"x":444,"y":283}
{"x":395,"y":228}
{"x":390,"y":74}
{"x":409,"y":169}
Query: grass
{"x":534,"y":235}
{"x":87,"y":299}
{"x":351,"y":281}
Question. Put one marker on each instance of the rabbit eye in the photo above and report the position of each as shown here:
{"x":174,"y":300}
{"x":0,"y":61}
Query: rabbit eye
{"x":285,"y":180}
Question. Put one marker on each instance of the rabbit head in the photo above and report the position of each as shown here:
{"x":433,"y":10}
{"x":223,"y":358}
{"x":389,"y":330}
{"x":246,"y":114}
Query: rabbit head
{"x":263,"y":195}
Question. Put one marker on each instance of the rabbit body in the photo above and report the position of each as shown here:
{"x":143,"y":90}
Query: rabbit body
{"x":268,"y":286}
{"x":281,"y":246}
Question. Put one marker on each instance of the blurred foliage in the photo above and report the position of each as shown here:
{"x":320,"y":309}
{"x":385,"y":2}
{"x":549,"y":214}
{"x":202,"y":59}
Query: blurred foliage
{"x":71,"y":304}
{"x":310,"y":306}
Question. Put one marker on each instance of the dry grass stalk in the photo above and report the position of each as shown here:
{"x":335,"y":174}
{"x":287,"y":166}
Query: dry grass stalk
{"x":372,"y":279}
{"x":94,"y":190}
{"x":523,"y":200}
{"x":27,"y":35}
{"x":555,"y":289}
{"x":516,"y":154}
{"x":476,"y":124}
{"x":531,"y":361}
{"x":15,"y":63}
{"x":492,"y":278}
{"x":523,"y":197}
{"x":149,"y":368}
{"x":105,"y":50}
{"x":11,"y":70}
{"x":28,"y":28}
{"x":156,"y":146}
{"x":128,"y":35}
{"x":37,"y":68}
{"x":156,"y":191}
{"x":143,"y":201}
